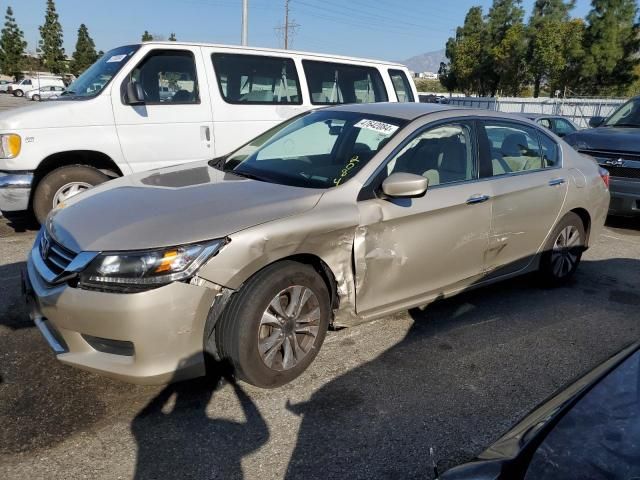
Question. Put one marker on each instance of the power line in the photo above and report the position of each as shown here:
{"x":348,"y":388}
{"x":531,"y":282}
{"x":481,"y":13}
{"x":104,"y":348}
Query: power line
{"x":289,"y":28}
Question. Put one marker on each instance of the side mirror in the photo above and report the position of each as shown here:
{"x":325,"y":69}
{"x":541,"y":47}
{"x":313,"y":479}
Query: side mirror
{"x":135,"y":94}
{"x":596,"y":121}
{"x":405,"y":185}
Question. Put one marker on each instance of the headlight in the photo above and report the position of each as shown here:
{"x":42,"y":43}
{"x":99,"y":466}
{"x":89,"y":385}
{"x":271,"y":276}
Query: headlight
{"x":10,"y":145}
{"x":148,"y":268}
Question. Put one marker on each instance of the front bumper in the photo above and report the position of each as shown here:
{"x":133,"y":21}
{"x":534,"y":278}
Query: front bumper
{"x":15,"y":191}
{"x":163,"y":326}
{"x":625,"y":196}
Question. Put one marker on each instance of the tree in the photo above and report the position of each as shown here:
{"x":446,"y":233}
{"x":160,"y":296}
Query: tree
{"x":52,"y":53}
{"x":611,"y":46}
{"x":85,"y":54}
{"x":12,"y":46}
{"x":146,"y":36}
{"x":545,"y":53}
{"x":503,"y":16}
{"x":569,"y":76}
{"x":172,"y":37}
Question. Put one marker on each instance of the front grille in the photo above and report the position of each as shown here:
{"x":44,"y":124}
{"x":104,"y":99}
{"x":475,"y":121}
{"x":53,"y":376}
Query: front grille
{"x":56,"y":257}
{"x":622,"y":171}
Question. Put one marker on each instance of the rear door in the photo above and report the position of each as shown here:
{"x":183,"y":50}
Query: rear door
{"x":528,"y":188}
{"x":166,"y":130}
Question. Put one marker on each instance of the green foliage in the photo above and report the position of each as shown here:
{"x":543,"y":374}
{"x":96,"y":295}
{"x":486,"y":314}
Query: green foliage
{"x":51,"y":51}
{"x":146,"y":36}
{"x":12,"y":46}
{"x":612,"y":41}
{"x":172,"y":37}
{"x":85,"y":54}
{"x":429,"y":85}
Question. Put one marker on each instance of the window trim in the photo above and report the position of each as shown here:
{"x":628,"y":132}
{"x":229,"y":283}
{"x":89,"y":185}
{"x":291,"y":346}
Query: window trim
{"x":150,"y":53}
{"x":308,"y":61}
{"x":539,"y":131}
{"x":270,"y":57}
{"x":405,"y":81}
{"x":372,"y":185}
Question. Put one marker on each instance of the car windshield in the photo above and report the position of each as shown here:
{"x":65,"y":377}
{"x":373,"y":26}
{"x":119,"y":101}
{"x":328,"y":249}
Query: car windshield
{"x":322,"y":149}
{"x":628,"y":115}
{"x":98,"y":75}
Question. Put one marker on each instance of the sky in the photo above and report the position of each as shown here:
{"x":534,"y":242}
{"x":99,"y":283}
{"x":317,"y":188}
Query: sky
{"x":383,"y":29}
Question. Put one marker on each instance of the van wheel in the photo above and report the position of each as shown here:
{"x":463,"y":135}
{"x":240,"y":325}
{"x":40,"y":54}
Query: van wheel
{"x":61,"y":184}
{"x":563,"y":251}
{"x":18,"y":93}
{"x":273,"y":327}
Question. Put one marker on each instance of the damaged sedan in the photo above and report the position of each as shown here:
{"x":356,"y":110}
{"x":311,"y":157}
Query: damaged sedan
{"x":335,"y":217}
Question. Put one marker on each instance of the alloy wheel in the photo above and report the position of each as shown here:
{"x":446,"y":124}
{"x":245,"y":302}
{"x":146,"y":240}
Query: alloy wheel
{"x":566,"y":251}
{"x":289,"y":327}
{"x":69,"y":190}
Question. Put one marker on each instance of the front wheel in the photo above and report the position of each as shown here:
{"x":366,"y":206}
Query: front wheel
{"x":18,"y":93}
{"x":62,"y":184}
{"x":563,"y":251}
{"x":273,"y":327}
{"x":36,"y":98}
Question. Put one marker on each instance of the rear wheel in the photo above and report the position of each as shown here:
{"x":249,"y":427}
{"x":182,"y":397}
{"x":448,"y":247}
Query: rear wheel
{"x":273,"y":327}
{"x":563,"y":251}
{"x":62,"y":184}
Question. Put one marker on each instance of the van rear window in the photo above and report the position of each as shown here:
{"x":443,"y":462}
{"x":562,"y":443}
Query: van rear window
{"x":257,"y":80}
{"x":331,"y":83}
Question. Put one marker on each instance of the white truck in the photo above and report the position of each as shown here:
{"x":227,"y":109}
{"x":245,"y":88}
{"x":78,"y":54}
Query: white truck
{"x":161,"y":103}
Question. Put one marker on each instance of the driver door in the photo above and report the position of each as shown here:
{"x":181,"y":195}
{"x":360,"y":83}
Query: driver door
{"x":408,"y":250}
{"x":174,"y":125}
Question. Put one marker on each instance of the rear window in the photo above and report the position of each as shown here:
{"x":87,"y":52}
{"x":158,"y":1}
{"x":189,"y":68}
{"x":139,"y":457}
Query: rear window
{"x":256,"y":80}
{"x":332,"y":83}
{"x":401,"y":85}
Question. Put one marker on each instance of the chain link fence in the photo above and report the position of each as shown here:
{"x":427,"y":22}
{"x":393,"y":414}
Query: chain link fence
{"x":578,"y":110}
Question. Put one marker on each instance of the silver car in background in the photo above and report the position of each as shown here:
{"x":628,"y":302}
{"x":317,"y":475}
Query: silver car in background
{"x":44,"y":93}
{"x":335,"y":217}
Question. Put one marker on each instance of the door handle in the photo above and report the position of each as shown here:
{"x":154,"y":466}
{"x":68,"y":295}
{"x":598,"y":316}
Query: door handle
{"x":205,"y":133}
{"x":556,"y":181}
{"x":477,"y":199}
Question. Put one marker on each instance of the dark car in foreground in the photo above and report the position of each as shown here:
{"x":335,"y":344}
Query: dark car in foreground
{"x":590,"y":430}
{"x":615,"y":143}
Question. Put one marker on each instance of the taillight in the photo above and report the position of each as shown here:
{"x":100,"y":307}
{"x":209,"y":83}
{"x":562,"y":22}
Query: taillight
{"x":604,"y":175}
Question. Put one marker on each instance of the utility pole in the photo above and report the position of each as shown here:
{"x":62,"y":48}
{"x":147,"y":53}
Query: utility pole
{"x":288,"y":28}
{"x":245,"y":22}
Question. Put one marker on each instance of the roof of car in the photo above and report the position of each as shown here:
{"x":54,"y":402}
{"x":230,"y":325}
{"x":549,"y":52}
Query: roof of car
{"x":535,"y":116}
{"x":406,"y":111}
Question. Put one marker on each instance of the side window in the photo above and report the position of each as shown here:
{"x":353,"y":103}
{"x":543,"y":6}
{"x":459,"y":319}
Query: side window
{"x":168,"y":76}
{"x":443,"y":154}
{"x":550,"y":151}
{"x":401,"y":85}
{"x":513,"y":147}
{"x":27,"y":82}
{"x":545,"y":122}
{"x":563,"y":127}
{"x":258,"y":80}
{"x":331,"y":83}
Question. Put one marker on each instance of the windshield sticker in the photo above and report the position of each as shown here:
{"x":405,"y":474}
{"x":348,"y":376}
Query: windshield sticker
{"x":345,"y":171}
{"x":116,"y":59}
{"x":376,"y":126}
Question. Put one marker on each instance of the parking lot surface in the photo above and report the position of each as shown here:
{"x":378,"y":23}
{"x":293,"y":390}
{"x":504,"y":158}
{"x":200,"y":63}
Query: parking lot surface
{"x":452,"y":376}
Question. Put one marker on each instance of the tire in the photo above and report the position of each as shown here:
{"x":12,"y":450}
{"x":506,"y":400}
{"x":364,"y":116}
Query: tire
{"x":36,"y":98}
{"x":55,"y":181}
{"x":240,"y":334}
{"x":560,"y":260}
{"x":18,"y":93}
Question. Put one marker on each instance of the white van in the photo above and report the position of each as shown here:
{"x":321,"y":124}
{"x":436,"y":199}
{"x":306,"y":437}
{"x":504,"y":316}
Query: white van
{"x":19,"y":89}
{"x":161,"y":103}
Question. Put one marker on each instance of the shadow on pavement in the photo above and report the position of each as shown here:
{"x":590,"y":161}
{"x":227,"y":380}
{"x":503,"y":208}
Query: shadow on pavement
{"x":625,"y":223}
{"x":468,"y":368}
{"x":13,"y":310}
{"x":177,"y":439}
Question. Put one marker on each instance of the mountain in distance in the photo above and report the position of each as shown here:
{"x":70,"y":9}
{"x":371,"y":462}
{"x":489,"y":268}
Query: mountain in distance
{"x":426,"y":62}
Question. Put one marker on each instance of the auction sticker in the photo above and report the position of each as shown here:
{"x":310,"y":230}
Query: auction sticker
{"x":376,"y":126}
{"x":116,"y":59}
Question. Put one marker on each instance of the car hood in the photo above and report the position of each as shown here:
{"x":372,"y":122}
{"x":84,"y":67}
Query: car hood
{"x":69,"y":113}
{"x":172,"y":206}
{"x":606,"y":138}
